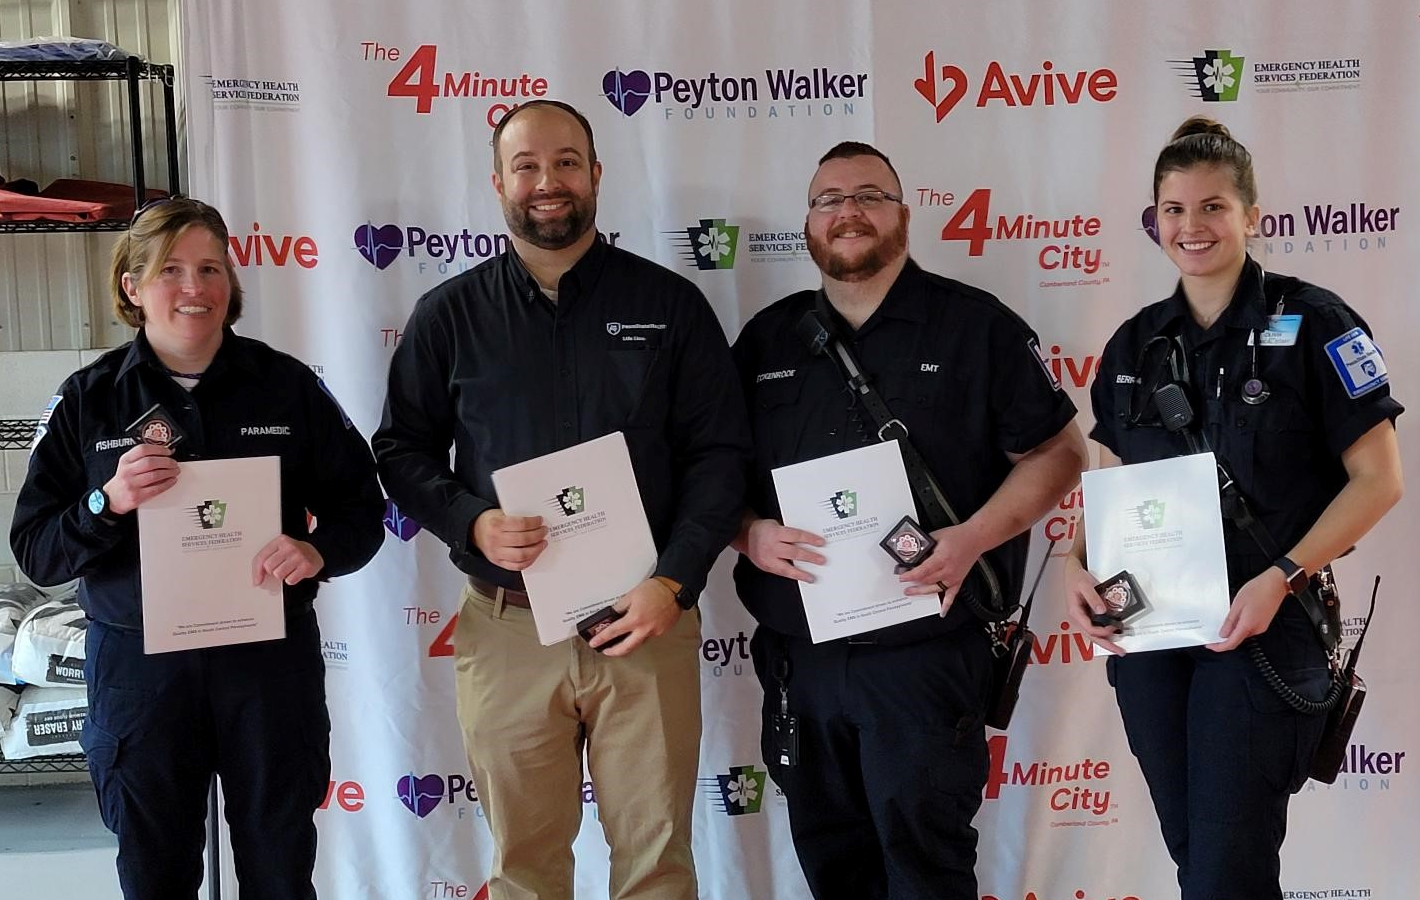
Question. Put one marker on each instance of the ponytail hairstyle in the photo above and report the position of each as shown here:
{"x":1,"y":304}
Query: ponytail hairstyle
{"x":1200,"y":141}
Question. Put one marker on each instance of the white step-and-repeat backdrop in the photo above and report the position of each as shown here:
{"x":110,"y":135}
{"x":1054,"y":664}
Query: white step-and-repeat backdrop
{"x":348,"y":145}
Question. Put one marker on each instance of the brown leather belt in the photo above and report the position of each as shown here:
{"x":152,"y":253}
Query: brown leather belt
{"x":490,"y":590}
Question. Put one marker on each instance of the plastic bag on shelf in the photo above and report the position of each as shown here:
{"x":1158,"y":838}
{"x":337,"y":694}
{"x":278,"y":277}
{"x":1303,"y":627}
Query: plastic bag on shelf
{"x":47,"y":722}
{"x":15,"y":600}
{"x":9,"y":699}
{"x":49,"y":646}
{"x":59,"y":49}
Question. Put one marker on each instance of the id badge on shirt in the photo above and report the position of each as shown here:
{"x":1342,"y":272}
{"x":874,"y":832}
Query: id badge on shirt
{"x":1281,"y":331}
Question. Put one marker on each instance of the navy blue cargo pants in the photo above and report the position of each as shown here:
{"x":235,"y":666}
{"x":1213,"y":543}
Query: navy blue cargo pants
{"x":892,"y":761}
{"x":1222,"y":753}
{"x":159,"y":726}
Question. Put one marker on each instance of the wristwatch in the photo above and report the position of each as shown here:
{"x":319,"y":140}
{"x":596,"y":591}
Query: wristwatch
{"x":1296,"y":576}
{"x":677,"y":590}
{"x":97,"y":502}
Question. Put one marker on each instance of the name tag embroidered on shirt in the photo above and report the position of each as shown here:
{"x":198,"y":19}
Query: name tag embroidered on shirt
{"x":772,"y":376}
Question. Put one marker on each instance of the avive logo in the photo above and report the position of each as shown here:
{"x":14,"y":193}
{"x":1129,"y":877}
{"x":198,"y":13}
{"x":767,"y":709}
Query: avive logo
{"x":946,"y":86}
{"x":348,"y":796}
{"x":261,"y":249}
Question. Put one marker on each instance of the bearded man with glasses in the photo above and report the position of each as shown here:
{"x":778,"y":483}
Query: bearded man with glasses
{"x":887,"y":761}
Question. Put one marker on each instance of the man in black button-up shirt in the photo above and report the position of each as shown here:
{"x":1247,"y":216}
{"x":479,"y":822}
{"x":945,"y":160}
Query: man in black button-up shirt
{"x":561,"y":340}
{"x":891,"y":747}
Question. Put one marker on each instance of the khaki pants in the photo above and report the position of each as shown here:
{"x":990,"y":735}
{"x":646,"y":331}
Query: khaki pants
{"x":527,"y":711}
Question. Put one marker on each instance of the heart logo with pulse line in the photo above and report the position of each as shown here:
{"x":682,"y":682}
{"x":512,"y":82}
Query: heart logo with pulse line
{"x":951,"y":77}
{"x":420,"y":794}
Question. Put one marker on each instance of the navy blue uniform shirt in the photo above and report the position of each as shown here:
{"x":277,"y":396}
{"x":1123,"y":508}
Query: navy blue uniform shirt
{"x":491,"y":367}
{"x":960,"y":369}
{"x":1326,"y":387}
{"x":251,"y":401}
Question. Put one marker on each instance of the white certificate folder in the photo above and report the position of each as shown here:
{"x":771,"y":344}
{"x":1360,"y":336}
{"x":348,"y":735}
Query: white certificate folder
{"x":196,"y":543}
{"x":1161,"y":521}
{"x":599,"y":543}
{"x":852,"y":500}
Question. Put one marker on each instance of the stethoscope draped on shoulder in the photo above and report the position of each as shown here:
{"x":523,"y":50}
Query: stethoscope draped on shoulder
{"x":1162,"y":384}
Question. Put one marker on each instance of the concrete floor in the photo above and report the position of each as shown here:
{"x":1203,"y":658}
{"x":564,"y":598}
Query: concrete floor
{"x":53,"y":845}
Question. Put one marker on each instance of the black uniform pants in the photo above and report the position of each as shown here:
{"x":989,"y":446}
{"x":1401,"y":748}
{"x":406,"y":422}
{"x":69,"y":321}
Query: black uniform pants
{"x":159,"y":726}
{"x":892,"y":762}
{"x":1222,"y":753}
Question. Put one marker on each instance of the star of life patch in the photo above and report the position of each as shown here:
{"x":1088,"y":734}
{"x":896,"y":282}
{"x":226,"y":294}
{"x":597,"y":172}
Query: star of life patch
{"x":1358,"y":362}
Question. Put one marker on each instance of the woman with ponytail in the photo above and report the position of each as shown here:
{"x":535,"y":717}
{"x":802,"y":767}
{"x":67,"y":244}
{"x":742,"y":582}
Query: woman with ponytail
{"x":1289,"y":390}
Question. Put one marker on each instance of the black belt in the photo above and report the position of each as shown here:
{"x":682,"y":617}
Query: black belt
{"x":490,"y":590}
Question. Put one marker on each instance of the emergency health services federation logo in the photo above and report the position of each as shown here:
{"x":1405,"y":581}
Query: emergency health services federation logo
{"x":709,"y":245}
{"x":1214,"y":77}
{"x":739,"y":792}
{"x":844,"y":504}
{"x":570,"y":500}
{"x":209,"y":514}
{"x":1149,"y":514}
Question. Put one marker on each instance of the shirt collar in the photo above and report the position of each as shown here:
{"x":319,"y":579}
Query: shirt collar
{"x":1247,"y":310}
{"x":141,"y":352}
{"x":905,"y":300}
{"x":584,"y":272}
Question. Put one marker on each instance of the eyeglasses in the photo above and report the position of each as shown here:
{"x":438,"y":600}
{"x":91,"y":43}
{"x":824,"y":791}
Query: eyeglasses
{"x":156,"y":201}
{"x":832,"y":201}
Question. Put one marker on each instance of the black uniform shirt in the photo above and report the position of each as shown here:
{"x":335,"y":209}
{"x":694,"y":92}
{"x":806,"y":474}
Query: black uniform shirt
{"x":251,"y":401}
{"x":491,"y":366}
{"x":958,"y":367}
{"x":1284,"y":453}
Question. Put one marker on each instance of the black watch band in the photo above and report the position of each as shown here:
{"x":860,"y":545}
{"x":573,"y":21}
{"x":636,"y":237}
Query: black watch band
{"x":1296,"y":576}
{"x":97,"y":503}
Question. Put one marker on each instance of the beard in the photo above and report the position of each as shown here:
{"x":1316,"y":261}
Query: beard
{"x":864,"y":264}
{"x":554,"y":235}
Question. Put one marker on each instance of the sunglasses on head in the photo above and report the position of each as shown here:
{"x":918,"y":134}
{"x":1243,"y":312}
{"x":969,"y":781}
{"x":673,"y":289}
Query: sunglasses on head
{"x":138,"y":213}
